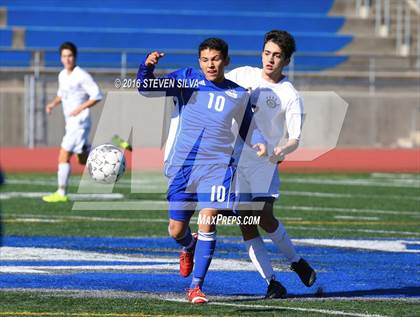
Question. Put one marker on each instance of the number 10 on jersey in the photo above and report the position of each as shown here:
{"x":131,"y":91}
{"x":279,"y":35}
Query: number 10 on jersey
{"x":219,"y":103}
{"x":218,"y":193}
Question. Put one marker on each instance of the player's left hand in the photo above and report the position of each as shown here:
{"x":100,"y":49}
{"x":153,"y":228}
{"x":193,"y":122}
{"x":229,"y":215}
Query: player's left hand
{"x":261,"y":149}
{"x":76,"y":111}
{"x":278,"y":156}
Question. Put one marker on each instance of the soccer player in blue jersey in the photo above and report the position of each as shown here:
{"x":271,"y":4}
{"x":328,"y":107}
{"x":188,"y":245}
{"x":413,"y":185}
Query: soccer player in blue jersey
{"x":200,"y":160}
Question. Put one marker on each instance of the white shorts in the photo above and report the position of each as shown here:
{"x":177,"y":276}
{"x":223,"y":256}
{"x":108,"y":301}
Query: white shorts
{"x":257,"y":180}
{"x":76,"y":140}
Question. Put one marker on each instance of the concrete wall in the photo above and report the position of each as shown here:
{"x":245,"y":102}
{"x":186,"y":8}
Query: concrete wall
{"x":372,"y":120}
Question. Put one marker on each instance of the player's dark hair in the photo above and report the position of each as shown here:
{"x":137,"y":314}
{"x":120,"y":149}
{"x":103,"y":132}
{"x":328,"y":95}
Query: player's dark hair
{"x":68,"y":46}
{"x":283,"y":39}
{"x":216,"y":44}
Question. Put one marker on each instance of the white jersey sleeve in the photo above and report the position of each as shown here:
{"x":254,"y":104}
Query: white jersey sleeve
{"x":294,"y":118}
{"x":240,"y":75}
{"x":90,"y":87}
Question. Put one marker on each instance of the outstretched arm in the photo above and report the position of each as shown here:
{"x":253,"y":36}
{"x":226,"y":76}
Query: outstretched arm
{"x":149,"y":83}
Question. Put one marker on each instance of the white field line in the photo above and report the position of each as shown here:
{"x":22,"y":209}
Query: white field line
{"x":409,"y":183}
{"x":357,"y":218}
{"x":10,"y":217}
{"x":30,"y":220}
{"x":139,"y":262}
{"x":77,"y":182}
{"x":141,"y":205}
{"x":160,"y":182}
{"x":9,"y":195}
{"x":350,"y":210}
{"x":282,"y":307}
{"x":80,"y":293}
{"x":395,"y":245}
{"x":407,"y":233}
{"x":364,"y":244}
{"x":395,"y":176}
{"x":341,"y":195}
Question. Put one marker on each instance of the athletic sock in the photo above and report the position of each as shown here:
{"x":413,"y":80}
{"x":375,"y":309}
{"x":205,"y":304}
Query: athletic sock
{"x":187,"y":240}
{"x":204,"y":251}
{"x":63,"y":176}
{"x":259,"y":257}
{"x":281,"y":239}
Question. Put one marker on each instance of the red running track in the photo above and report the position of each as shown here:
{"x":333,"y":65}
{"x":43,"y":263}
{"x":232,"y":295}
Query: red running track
{"x":337,"y":160}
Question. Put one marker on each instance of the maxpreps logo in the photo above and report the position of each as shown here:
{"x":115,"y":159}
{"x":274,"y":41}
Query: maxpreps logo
{"x":228,"y":220}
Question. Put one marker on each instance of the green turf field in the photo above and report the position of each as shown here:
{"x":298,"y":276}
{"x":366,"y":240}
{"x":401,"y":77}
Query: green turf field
{"x":327,"y":205}
{"x":311,"y":206}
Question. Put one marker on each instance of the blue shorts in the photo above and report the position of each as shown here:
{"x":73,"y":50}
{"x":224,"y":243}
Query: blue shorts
{"x":199,"y":186}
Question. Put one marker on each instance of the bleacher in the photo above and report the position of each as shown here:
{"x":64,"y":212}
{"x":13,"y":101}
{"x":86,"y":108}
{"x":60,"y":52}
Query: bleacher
{"x":106,"y":28}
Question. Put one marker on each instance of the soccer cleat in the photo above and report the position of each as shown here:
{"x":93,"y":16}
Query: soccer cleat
{"x":275,"y":290}
{"x":186,"y":259}
{"x":306,"y":273}
{"x":118,"y":141}
{"x":55,"y":198}
{"x":196,"y":296}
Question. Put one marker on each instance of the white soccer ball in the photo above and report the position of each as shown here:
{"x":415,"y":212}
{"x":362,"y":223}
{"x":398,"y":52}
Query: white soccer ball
{"x":106,"y":163}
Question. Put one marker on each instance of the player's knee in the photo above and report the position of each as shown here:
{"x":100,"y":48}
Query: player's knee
{"x":176,"y":230}
{"x":206,"y":228}
{"x":269,"y":223}
{"x":64,"y":156}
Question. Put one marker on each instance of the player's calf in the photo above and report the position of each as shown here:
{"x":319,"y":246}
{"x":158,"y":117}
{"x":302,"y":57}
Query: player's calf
{"x":186,"y":257}
{"x":305,"y":272}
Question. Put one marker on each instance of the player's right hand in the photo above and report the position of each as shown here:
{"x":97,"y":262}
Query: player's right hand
{"x":153,"y":58}
{"x":49,"y":108}
{"x":261,"y":149}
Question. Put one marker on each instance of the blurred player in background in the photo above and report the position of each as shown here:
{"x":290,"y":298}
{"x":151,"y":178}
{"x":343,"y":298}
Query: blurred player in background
{"x":199,"y":157}
{"x":77,"y":92}
{"x":277,"y":105}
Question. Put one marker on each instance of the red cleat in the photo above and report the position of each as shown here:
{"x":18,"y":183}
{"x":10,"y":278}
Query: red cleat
{"x":186,"y":259}
{"x":196,"y":296}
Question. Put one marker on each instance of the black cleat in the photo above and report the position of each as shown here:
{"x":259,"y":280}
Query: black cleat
{"x":275,"y":290}
{"x":306,"y":273}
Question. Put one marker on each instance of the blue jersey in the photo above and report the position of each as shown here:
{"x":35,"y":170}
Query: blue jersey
{"x":204,"y":112}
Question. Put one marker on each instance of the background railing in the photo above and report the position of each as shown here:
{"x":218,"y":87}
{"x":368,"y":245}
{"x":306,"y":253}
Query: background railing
{"x":127,"y":60}
{"x":404,"y":35}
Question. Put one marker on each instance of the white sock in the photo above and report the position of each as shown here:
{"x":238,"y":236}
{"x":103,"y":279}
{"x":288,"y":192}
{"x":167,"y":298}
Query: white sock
{"x":281,"y":239}
{"x":259,"y":257}
{"x":63,"y":175}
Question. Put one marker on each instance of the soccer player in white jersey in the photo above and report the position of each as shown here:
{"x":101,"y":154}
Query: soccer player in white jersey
{"x":77,"y":92}
{"x":277,"y":105}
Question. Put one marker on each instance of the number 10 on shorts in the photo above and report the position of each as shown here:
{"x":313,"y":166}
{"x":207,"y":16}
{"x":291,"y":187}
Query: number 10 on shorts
{"x":218,"y":193}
